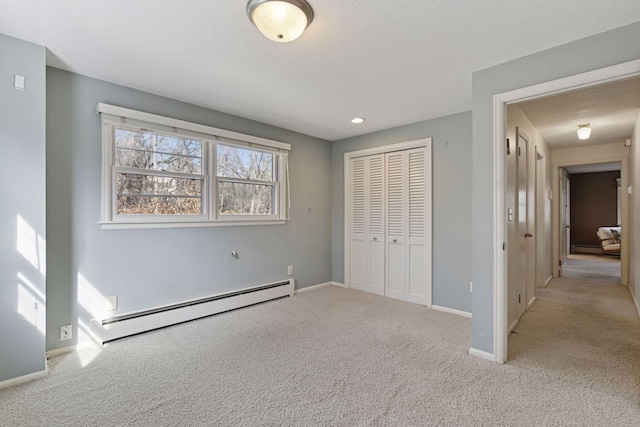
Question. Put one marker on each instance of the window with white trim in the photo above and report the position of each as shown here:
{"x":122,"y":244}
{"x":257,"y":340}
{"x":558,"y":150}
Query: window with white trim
{"x":159,"y":172}
{"x":247,"y":181}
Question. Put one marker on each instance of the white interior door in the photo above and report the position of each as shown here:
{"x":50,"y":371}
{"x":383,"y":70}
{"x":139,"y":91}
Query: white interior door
{"x":396,"y":225}
{"x":567,"y":227}
{"x":388,"y":208}
{"x":518,"y":299}
{"x":376,"y":224}
{"x":419,"y":230}
{"x":359,"y":242}
{"x":367,"y":224}
{"x":564,"y":219}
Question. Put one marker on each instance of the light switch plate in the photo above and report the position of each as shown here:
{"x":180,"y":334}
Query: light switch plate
{"x":112,"y":303}
{"x":18,"y":82}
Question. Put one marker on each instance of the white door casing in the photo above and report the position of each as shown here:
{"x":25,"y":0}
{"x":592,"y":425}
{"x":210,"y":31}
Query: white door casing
{"x":590,"y":78}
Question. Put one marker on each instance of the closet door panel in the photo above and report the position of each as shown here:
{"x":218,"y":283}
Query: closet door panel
{"x":417,"y":274}
{"x":376,"y":267}
{"x":390,"y":224}
{"x":418,"y":262}
{"x":375,"y":212}
{"x":359,"y":239}
{"x":396,"y":286}
{"x":359,"y":270}
{"x":396,"y":277}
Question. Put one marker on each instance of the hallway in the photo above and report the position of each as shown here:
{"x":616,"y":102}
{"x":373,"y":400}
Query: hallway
{"x":583,"y":329}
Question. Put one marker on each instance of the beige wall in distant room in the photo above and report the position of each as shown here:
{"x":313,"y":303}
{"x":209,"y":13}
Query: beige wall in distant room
{"x":594,"y":204}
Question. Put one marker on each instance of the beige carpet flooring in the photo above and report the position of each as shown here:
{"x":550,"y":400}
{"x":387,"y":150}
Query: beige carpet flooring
{"x":592,"y":268}
{"x":338,"y":357}
{"x":584,"y":331}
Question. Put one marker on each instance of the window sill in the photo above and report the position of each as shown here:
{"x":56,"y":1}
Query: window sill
{"x":193,"y":224}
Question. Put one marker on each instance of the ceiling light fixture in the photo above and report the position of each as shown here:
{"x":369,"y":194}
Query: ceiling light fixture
{"x":584,"y":131}
{"x":358,"y":120}
{"x":280,"y":20}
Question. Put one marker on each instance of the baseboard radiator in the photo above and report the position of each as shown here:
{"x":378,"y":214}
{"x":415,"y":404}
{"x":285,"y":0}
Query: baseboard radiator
{"x":146,"y":320}
{"x":585,"y":249}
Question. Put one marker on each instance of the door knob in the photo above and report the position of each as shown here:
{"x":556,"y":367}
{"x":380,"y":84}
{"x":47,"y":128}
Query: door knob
{"x":375,"y":238}
{"x":528,"y":235}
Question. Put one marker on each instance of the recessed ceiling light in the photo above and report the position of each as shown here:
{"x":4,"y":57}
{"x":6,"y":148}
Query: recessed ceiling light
{"x":358,"y":120}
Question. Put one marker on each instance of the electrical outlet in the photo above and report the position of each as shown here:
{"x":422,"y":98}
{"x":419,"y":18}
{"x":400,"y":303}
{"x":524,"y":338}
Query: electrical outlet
{"x":470,"y":286}
{"x":290,"y":270}
{"x":65,"y":332}
{"x":111,"y":303}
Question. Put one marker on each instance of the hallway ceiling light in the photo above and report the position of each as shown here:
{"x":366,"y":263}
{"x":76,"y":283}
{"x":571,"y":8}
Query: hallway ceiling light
{"x":358,"y":120}
{"x":584,"y":131}
{"x":280,"y":20}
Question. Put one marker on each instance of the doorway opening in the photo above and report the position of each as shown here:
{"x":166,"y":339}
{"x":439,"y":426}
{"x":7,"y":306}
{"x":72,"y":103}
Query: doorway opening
{"x":550,"y":237}
{"x":591,"y":220}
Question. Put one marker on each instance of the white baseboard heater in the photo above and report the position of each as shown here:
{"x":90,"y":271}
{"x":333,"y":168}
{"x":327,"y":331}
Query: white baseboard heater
{"x":585,"y":249}
{"x":124,"y":325}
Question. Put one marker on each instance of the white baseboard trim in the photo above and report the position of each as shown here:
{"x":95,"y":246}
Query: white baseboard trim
{"x":25,"y":378}
{"x":319,"y":285}
{"x":546,"y":282}
{"x":635,"y":301}
{"x":62,"y":350}
{"x":341,"y":285}
{"x":451,"y":310}
{"x":533,"y":300}
{"x":482,"y":354}
{"x":513,"y":325}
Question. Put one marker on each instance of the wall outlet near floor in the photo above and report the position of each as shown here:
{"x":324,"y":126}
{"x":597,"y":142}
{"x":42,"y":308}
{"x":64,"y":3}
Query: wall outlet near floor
{"x":65,"y":332}
{"x":111,"y":303}
{"x":290,"y":270}
{"x":470,"y":286}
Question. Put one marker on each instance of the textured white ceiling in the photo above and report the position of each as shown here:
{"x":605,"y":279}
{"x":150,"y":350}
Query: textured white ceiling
{"x":393,"y":62}
{"x":598,"y":167}
{"x":611,"y":109}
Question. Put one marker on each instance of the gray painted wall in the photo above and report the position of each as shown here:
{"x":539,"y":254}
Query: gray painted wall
{"x":599,"y":51}
{"x":22,"y":191}
{"x":451,"y":201}
{"x":147,"y":268}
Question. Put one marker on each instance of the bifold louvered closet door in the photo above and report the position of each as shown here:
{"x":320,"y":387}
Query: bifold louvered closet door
{"x":390,"y":207}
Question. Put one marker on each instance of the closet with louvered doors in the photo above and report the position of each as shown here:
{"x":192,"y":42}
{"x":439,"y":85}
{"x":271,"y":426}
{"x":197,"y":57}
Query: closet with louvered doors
{"x":388,"y":213}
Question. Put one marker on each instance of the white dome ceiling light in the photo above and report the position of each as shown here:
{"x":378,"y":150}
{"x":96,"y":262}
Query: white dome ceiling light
{"x":280,"y":20}
{"x":584,"y":131}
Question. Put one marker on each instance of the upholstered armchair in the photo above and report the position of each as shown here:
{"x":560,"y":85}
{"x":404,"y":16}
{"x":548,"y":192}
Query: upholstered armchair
{"x":609,"y":240}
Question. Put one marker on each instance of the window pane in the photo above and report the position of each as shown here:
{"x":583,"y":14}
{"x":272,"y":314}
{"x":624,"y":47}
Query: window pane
{"x":136,"y":184}
{"x":142,"y":205}
{"x":152,"y":151}
{"x":234,"y":162}
{"x":245,"y":199}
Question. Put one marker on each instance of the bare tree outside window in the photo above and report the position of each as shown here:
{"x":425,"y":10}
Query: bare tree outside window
{"x":153,"y":174}
{"x":246,"y":181}
{"x":162,"y":172}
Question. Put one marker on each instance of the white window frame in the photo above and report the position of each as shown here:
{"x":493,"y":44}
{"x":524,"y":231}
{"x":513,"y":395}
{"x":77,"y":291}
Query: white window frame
{"x":277,"y":173}
{"x":119,"y":117}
